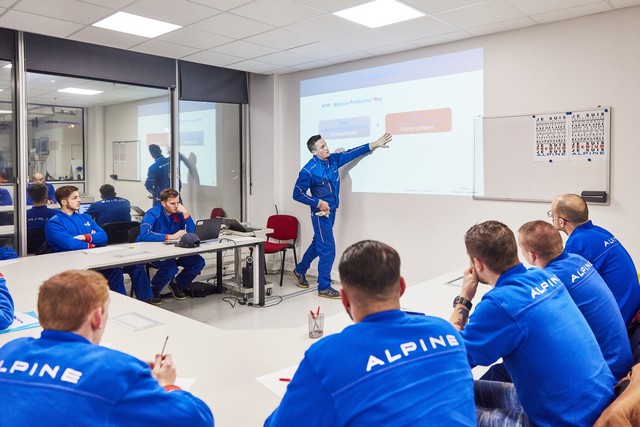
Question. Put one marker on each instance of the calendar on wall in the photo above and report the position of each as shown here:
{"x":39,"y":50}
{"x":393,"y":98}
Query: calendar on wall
{"x":572,"y":136}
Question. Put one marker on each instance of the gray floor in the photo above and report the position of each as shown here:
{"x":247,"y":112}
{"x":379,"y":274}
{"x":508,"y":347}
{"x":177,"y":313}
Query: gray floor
{"x":286,"y":307}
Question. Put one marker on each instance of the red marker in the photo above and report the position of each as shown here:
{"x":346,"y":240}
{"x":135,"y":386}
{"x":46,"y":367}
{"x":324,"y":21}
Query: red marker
{"x":286,"y":380}
{"x":313,"y":315}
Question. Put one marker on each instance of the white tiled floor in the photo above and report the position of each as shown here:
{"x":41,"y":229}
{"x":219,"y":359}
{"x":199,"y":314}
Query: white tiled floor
{"x":287,"y":307}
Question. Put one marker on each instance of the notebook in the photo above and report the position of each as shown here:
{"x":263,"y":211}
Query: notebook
{"x":234,"y":225}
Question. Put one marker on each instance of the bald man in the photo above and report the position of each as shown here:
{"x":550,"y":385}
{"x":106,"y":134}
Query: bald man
{"x":38,"y":178}
{"x":569,"y":213}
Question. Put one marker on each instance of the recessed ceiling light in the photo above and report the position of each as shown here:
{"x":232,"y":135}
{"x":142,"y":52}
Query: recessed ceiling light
{"x":9,"y":65}
{"x":6,"y":112}
{"x":79,"y":91}
{"x":379,"y":13}
{"x":136,"y":25}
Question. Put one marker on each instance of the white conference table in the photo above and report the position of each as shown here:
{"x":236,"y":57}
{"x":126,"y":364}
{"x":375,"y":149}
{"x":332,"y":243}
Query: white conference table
{"x":224,"y":363}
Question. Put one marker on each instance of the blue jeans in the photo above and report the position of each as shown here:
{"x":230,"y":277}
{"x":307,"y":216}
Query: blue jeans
{"x":497,"y":405}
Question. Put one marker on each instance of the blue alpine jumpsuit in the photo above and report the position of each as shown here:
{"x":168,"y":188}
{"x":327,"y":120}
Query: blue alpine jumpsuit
{"x":158,"y":178}
{"x":322,"y":180}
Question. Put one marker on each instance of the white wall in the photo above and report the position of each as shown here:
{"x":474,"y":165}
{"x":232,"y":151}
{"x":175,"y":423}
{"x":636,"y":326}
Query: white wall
{"x":585,"y":62}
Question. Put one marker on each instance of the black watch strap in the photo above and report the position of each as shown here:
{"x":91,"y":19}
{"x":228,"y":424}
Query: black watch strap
{"x":461,"y":300}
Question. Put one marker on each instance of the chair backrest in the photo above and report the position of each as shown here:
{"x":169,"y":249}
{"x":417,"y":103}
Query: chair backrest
{"x":217,"y":213}
{"x":118,"y":232}
{"x":285,"y":227}
{"x":133,"y":233}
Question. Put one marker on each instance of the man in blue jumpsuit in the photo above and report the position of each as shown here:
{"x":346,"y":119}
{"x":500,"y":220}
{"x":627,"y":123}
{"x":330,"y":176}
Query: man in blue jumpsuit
{"x":6,"y":304}
{"x":70,"y":230}
{"x":402,"y":369}
{"x":541,"y":245}
{"x":111,"y":208}
{"x":570,"y":214}
{"x":320,"y":178}
{"x":158,"y":175}
{"x":38,"y":178}
{"x":65,"y":378}
{"x":37,"y":216}
{"x":166,"y":221}
{"x":528,"y":318}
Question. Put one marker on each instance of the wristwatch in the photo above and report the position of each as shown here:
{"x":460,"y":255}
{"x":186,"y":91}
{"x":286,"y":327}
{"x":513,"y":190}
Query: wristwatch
{"x":462,"y":300}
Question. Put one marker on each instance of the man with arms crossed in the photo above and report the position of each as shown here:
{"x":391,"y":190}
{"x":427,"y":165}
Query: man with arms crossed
{"x":167,"y":221}
{"x":70,"y":230}
{"x":321,"y":179}
{"x":570,"y":214}
{"x":402,"y":369}
{"x":541,"y":245}
{"x":65,"y":378}
{"x":529,"y":319}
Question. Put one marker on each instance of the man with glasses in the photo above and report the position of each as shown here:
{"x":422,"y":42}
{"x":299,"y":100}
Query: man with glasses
{"x":569,"y":213}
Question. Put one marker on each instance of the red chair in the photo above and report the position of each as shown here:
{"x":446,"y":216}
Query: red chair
{"x":217,"y":213}
{"x":285,"y":228}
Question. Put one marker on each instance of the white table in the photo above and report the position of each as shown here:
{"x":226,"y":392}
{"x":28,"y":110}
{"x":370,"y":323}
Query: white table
{"x":225,"y":363}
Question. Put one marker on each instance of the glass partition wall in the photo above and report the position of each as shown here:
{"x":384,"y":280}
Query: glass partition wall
{"x":7,"y":157}
{"x":210,"y":158}
{"x":87,"y":133}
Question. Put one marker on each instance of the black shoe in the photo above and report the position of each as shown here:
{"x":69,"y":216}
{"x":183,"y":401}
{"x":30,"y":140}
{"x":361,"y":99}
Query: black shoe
{"x":176,"y":292}
{"x":156,"y":299}
{"x":301,"y":280}
{"x":329,"y":293}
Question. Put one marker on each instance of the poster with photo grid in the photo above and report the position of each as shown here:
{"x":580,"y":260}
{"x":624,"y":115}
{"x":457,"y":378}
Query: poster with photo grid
{"x":572,"y":136}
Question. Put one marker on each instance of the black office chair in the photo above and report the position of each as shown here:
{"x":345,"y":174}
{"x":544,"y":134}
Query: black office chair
{"x":118,"y":232}
{"x":35,"y":238}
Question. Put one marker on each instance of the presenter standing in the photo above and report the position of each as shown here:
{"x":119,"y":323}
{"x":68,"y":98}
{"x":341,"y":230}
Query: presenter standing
{"x":318,"y":186}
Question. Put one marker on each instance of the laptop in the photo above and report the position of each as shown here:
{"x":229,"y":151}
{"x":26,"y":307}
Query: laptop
{"x":234,"y":225}
{"x":207,"y":230}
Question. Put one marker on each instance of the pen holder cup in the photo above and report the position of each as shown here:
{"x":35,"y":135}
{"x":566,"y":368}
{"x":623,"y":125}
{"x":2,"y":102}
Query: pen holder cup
{"x":316,"y":325}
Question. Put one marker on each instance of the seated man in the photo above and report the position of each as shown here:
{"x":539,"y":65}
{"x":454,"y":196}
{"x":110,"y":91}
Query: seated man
{"x":111,"y":208}
{"x":38,"y":178}
{"x":70,"y":230}
{"x":541,"y":246}
{"x":530,"y":321}
{"x":570,"y":214}
{"x":6,"y":305}
{"x":70,"y":380}
{"x":170,"y":220}
{"x":37,"y":216}
{"x":402,"y":369}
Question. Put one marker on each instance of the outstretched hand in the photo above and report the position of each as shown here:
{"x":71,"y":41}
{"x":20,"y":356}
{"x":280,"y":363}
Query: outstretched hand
{"x":381,"y":142}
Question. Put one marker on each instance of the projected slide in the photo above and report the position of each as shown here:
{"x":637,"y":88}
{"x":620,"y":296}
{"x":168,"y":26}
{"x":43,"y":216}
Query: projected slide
{"x":428,"y":105}
{"x":197,"y":138}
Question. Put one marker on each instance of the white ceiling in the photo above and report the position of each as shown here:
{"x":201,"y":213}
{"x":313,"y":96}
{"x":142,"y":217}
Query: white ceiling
{"x":283,"y":36}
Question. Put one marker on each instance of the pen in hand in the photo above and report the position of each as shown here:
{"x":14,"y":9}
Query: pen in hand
{"x":164,"y":346}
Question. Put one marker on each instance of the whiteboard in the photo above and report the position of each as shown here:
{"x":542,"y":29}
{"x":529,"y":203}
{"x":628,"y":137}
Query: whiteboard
{"x":535,"y":157}
{"x":125,"y":160}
